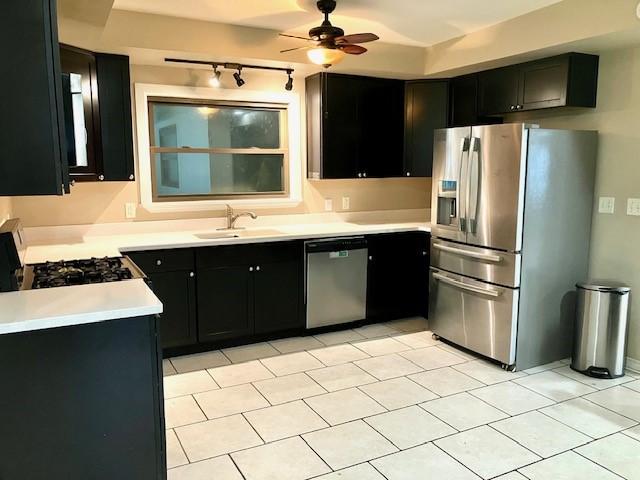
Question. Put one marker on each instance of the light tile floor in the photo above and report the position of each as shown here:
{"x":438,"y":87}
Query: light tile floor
{"x":388,"y":402}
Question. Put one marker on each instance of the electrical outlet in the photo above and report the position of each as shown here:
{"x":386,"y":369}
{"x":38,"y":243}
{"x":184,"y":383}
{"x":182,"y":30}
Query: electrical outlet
{"x":328,"y":205}
{"x":607,"y":205}
{"x":633,"y":206}
{"x":130,"y":210}
{"x":346,"y":203}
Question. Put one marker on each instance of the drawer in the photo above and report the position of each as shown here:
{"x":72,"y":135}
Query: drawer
{"x":475,"y":315}
{"x":152,"y":261}
{"x":494,"y":266}
{"x":248,"y":254}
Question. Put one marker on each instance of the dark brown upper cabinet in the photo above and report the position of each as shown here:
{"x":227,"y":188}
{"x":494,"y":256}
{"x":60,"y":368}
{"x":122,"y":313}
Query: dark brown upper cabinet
{"x":426,"y":109}
{"x":97,"y":107}
{"x":32,"y":123}
{"x":354,"y":126}
{"x":568,"y":80}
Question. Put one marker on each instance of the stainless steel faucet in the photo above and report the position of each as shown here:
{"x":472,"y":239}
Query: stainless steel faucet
{"x":231,"y":218}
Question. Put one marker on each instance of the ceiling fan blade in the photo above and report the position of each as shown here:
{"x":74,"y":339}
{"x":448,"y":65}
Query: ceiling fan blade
{"x":292,"y":49}
{"x":357,"y":38}
{"x":294,"y":36}
{"x":352,"y":49}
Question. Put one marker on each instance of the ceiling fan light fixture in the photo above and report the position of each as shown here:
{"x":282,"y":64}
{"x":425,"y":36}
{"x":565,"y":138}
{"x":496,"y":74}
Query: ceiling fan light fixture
{"x":325,"y":56}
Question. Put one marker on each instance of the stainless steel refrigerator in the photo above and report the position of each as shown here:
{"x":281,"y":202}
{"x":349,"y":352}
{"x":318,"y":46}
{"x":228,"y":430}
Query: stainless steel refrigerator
{"x":511,"y":221}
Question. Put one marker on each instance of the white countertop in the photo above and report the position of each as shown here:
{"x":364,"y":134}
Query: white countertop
{"x":80,"y":304}
{"x":64,"y":306}
{"x":114,"y":245}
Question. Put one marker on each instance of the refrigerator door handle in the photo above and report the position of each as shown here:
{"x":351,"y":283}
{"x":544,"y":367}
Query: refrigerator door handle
{"x":463,"y":286}
{"x":466,"y":253}
{"x":463,"y":185}
{"x":473,"y":180}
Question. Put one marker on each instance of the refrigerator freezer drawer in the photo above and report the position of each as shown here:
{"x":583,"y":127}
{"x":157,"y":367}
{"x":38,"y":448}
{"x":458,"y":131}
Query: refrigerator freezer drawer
{"x":494,"y":266}
{"x":473,"y":314}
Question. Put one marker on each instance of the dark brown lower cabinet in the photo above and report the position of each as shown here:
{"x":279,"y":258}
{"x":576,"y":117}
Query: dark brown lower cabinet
{"x":277,"y":296}
{"x":177,"y":292}
{"x":83,"y":402}
{"x":398,"y":276}
{"x":249,"y":289}
{"x":225,"y":306}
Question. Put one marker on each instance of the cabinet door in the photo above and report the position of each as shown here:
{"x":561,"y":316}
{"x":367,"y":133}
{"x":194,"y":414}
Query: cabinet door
{"x":114,"y":88}
{"x":464,"y":101}
{"x":397,"y":276}
{"x":381,"y":118}
{"x":32,"y":119}
{"x":427,"y":109}
{"x":498,"y":90}
{"x":341,"y":128}
{"x":277,"y":297}
{"x":177,"y":292}
{"x":225,"y":303}
{"x":544,"y":84}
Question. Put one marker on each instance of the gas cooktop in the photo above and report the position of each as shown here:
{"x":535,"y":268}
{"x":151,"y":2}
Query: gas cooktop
{"x":79,"y":272}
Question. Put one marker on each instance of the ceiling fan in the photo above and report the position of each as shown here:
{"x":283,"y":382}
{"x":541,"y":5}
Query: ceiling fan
{"x":331,"y":43}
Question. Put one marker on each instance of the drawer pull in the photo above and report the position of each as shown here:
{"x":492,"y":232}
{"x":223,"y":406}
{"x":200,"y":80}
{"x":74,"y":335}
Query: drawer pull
{"x":466,"y":253}
{"x":158,"y":262}
{"x":464,"y":286}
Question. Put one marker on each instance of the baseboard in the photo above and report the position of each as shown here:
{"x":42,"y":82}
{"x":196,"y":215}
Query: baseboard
{"x":633,"y":365}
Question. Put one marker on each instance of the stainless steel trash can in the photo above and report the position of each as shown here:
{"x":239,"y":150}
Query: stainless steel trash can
{"x":601,"y":329}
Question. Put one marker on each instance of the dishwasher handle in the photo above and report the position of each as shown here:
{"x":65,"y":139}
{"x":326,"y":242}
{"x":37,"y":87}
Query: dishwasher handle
{"x":336,"y":244}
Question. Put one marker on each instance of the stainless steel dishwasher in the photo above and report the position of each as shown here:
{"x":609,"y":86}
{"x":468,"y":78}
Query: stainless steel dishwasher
{"x":336,"y":281}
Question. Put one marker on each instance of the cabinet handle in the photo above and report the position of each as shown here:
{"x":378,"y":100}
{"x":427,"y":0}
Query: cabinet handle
{"x":101,"y":177}
{"x":131,"y":177}
{"x":258,"y":268}
{"x":158,"y":262}
{"x":359,"y":175}
{"x":519,"y":107}
{"x":364,"y":174}
{"x":513,"y":107}
{"x":192,"y":274}
{"x":371,"y":257}
{"x":251,"y":269}
{"x":424,"y":253}
{"x":408,"y":174}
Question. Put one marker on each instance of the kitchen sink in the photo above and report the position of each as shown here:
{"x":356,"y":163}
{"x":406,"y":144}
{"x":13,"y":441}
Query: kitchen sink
{"x":265,"y":232}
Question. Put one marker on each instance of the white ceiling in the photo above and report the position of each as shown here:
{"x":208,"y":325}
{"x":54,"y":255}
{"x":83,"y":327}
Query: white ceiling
{"x":406,"y":22}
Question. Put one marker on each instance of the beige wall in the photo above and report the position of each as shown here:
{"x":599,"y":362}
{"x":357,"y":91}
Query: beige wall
{"x":105,"y":202}
{"x":615,"y":238}
{"x":583,"y":25}
{"x":5,"y":208}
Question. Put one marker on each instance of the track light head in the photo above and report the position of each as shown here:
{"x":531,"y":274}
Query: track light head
{"x":289,"y":85}
{"x":237,"y":76}
{"x":214,"y":81}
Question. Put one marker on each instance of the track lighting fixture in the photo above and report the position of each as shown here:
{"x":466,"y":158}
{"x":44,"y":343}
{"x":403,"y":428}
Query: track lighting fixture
{"x":214,"y":80}
{"x":239,"y":80}
{"x":289,"y":85}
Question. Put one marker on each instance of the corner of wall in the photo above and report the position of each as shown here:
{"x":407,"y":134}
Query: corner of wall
{"x":6,"y":208}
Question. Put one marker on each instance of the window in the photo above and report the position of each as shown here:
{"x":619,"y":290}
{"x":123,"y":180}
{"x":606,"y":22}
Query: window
{"x":217,"y":149}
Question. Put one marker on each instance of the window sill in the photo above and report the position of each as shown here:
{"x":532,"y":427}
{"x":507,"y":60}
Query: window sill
{"x":204,"y":205}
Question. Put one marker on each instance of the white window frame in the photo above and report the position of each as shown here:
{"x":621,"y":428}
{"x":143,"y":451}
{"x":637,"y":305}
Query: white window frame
{"x":291,"y":101}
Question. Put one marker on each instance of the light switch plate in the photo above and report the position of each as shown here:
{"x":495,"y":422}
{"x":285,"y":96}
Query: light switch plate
{"x":346,"y":203}
{"x":130,"y":210}
{"x":633,"y":206}
{"x":607,"y":205}
{"x":328,"y":205}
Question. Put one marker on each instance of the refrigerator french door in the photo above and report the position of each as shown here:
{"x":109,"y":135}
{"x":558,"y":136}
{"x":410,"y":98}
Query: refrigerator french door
{"x":479,"y":175}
